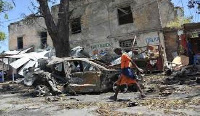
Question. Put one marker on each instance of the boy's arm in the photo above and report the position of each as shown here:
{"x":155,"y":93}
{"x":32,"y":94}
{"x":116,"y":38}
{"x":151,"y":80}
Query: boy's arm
{"x":133,"y":63}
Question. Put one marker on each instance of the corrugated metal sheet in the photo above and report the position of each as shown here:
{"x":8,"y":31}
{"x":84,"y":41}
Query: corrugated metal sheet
{"x":18,"y":63}
{"x":31,"y":63}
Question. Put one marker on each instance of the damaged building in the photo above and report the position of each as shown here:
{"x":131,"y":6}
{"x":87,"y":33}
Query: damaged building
{"x":28,"y":32}
{"x":101,"y":25}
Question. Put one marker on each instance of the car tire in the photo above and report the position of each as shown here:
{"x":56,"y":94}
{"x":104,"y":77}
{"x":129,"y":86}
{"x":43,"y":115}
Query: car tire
{"x":41,"y":90}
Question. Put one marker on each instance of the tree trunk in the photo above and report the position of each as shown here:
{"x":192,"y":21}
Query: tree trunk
{"x":62,"y":46}
{"x":59,"y":33}
{"x":63,"y":30}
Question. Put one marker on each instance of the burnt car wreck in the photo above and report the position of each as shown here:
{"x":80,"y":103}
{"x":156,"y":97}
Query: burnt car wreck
{"x":70,"y":75}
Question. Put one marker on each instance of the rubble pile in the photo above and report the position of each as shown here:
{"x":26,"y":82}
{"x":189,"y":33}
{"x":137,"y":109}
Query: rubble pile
{"x":189,"y":80}
{"x":14,"y":88}
{"x":169,"y":106}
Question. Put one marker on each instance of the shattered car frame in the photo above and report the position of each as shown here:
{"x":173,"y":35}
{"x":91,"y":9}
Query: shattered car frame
{"x":79,"y":75}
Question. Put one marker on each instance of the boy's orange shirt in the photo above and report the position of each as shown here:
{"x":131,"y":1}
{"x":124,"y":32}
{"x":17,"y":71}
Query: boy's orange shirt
{"x":125,"y":61}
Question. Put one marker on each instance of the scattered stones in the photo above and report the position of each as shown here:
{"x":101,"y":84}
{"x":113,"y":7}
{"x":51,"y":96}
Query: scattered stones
{"x":150,"y":90}
{"x":132,"y":104}
{"x":198,"y":80}
{"x":173,"y":99}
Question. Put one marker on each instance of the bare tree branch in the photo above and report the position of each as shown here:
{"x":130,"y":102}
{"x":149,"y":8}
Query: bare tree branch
{"x":13,"y":3}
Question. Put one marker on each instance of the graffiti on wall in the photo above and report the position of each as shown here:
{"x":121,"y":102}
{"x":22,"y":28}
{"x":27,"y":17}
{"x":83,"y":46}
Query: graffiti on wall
{"x":100,"y":49}
{"x":97,"y":46}
{"x":153,"y":40}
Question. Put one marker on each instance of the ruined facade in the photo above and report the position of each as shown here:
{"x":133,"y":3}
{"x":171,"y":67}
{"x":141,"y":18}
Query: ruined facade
{"x":171,"y":43}
{"x":30,"y":31}
{"x":101,"y":25}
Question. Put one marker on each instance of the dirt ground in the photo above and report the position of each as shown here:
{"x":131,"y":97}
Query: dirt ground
{"x":177,"y":99}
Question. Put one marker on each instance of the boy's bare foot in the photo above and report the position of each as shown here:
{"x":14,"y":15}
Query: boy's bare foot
{"x":113,"y":98}
{"x":143,"y":95}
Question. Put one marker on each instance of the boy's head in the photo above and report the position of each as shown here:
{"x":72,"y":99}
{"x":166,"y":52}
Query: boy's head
{"x":118,"y":51}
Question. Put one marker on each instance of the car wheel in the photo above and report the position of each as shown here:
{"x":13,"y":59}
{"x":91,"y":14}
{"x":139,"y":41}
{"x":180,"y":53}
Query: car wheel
{"x":41,"y":90}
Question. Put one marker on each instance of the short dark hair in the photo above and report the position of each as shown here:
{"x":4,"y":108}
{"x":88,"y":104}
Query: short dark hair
{"x":117,"y":49}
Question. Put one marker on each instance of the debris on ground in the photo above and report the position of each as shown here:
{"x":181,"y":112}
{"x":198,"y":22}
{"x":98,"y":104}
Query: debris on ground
{"x":162,"y":99}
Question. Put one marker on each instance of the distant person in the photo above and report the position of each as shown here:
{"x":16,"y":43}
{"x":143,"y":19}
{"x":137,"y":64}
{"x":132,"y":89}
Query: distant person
{"x":2,"y":73}
{"x":127,"y":75}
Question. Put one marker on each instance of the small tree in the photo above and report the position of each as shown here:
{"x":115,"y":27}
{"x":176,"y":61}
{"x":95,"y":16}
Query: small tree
{"x":2,"y":36}
{"x":178,"y":22}
{"x":59,"y":32}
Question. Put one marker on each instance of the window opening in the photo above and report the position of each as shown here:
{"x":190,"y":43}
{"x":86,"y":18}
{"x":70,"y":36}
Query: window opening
{"x":76,"y":66}
{"x":125,"y":15}
{"x":43,"y":36}
{"x":88,"y":67}
{"x":127,"y":43}
{"x":20,"y":42}
{"x":76,"y":26}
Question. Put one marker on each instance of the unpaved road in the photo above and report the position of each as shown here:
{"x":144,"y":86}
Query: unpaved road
{"x":182,"y":100}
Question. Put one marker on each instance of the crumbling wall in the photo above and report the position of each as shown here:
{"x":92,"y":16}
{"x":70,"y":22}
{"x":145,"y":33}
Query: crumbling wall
{"x":28,"y":28}
{"x":171,"y":43}
{"x":100,"y":29}
{"x":167,"y":12}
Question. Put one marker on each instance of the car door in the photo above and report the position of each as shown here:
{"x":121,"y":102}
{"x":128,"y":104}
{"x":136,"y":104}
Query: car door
{"x":84,"y":77}
{"x":73,"y":71}
{"x":91,"y":75}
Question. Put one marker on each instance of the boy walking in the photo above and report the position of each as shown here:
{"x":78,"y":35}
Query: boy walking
{"x":127,"y":76}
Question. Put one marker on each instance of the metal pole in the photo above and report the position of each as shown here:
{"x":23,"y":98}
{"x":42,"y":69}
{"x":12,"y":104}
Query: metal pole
{"x":13,"y":76}
{"x":133,"y":46}
{"x":2,"y":71}
{"x":2,"y":76}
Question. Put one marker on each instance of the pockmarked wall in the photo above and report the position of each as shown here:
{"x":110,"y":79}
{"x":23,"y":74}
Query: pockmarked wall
{"x":100,"y":28}
{"x":29,"y":29}
{"x":171,"y":43}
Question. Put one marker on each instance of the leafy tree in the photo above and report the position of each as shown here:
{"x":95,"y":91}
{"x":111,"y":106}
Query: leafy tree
{"x":178,"y":22}
{"x":194,"y":4}
{"x":59,"y":32}
{"x":4,"y":7}
{"x":2,"y":36}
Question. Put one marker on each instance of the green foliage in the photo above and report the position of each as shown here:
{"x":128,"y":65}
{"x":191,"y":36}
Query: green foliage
{"x":4,"y":7}
{"x":178,"y":22}
{"x":6,"y":16}
{"x":194,"y":4}
{"x":2,"y":36}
